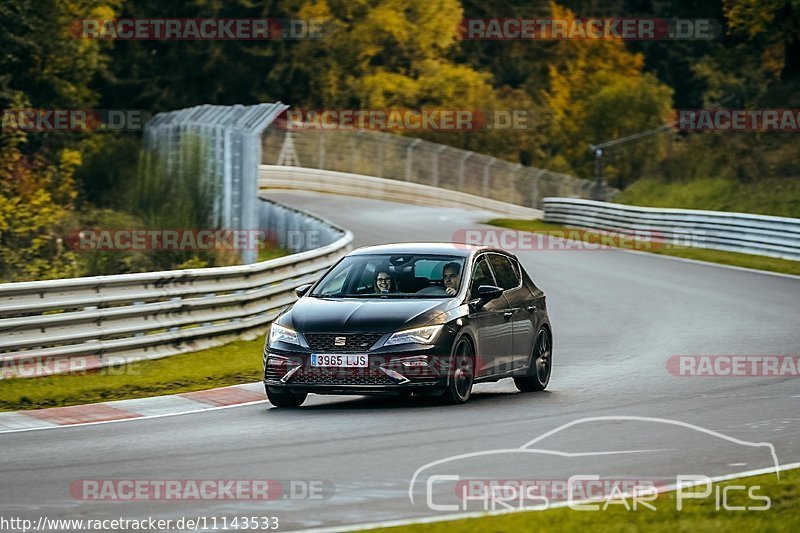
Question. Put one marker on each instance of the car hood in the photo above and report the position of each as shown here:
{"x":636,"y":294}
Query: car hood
{"x":317,"y":315}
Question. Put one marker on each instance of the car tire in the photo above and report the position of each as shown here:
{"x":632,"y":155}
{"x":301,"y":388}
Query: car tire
{"x":285,"y":398}
{"x":462,"y":377}
{"x":541,"y":365}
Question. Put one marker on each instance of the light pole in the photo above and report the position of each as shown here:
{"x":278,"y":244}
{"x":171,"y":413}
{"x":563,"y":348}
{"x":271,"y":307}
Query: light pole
{"x":598,"y":156}
{"x":598,"y":148}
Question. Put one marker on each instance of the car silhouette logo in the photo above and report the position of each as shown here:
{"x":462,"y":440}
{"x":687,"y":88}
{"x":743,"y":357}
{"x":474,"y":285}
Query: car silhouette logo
{"x":339,"y":341}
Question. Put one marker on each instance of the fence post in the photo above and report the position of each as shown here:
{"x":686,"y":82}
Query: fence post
{"x":485,"y":188}
{"x":408,"y":157}
{"x":436,"y":165}
{"x":381,"y":146}
{"x":461,"y":169}
{"x":512,"y":186}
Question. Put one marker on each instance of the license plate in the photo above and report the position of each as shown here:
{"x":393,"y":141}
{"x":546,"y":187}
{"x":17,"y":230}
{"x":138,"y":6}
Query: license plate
{"x":340,"y":360}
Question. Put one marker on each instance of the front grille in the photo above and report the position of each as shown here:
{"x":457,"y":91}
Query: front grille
{"x":354,"y":342}
{"x":341,"y":376}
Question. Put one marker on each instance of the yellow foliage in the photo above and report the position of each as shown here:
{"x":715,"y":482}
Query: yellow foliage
{"x":35,"y":199}
{"x":598,"y":91}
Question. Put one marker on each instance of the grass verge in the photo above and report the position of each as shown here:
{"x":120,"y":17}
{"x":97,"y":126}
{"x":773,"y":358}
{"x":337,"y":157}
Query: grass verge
{"x":696,"y":514}
{"x":758,"y":262}
{"x":768,"y":196}
{"x":230,"y":364}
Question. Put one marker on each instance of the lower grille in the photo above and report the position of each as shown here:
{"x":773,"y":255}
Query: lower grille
{"x":275,"y":372}
{"x":339,"y":376}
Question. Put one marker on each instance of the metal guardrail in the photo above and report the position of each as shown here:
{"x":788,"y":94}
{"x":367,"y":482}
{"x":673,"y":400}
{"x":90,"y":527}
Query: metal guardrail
{"x":736,"y":232}
{"x":412,"y":160}
{"x":328,"y":181}
{"x":82,"y":323}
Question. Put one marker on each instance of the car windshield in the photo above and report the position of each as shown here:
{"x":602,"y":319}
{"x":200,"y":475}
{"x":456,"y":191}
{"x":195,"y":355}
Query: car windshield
{"x":393,"y":276}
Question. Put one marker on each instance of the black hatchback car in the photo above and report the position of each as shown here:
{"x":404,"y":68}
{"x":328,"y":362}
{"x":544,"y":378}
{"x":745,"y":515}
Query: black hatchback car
{"x":425,"y":318}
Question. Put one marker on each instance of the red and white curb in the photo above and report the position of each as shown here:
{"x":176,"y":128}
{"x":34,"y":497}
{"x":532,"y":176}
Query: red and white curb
{"x":156,"y":406}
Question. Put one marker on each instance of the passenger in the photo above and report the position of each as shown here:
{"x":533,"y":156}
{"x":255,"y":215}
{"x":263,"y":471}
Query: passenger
{"x":384,"y":283}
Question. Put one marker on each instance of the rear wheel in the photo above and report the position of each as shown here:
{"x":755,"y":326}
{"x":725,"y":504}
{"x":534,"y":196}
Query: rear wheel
{"x":541,"y":365}
{"x":285,"y":398}
{"x":459,"y":386}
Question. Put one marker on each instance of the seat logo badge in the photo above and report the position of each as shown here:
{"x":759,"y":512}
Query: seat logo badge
{"x":339,"y":341}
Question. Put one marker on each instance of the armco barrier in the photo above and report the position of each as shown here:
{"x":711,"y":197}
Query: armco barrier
{"x":736,"y":232}
{"x":82,"y":323}
{"x":329,"y":181}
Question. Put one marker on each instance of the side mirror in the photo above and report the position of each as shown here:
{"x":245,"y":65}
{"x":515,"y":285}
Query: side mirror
{"x":486,"y":293}
{"x":302,"y":290}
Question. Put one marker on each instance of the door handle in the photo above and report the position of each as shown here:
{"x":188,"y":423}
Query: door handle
{"x":530,"y":308}
{"x":508,"y":314}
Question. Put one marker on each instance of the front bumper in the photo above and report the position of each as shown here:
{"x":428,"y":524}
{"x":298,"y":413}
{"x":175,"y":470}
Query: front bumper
{"x":413,"y":371}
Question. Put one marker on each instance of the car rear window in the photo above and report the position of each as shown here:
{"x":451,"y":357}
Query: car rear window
{"x":506,"y":274}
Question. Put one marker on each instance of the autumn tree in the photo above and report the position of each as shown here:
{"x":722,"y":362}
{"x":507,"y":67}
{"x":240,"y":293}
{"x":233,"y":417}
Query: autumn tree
{"x":599,"y":92}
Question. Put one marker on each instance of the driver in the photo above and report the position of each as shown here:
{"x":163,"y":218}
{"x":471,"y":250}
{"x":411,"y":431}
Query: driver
{"x":451,"y":280}
{"x":451,"y":276}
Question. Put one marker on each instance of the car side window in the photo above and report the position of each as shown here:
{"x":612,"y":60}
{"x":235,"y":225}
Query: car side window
{"x":481,"y":275}
{"x":507,"y":276}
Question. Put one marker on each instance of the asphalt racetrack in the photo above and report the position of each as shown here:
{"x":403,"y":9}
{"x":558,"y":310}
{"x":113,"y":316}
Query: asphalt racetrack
{"x":617,"y":318}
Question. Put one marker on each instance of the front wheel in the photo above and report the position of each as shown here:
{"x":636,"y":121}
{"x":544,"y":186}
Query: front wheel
{"x":462,"y":368}
{"x":285,"y":398}
{"x":541,"y":365}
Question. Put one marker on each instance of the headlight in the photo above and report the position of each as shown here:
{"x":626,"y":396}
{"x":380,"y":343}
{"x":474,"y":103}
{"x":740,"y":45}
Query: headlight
{"x":281,"y":334}
{"x":424,"y":335}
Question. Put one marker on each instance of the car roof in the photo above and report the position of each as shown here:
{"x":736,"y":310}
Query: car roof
{"x":444,"y":248}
